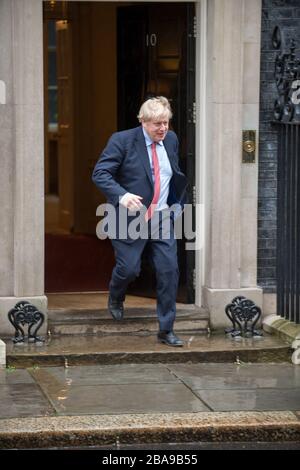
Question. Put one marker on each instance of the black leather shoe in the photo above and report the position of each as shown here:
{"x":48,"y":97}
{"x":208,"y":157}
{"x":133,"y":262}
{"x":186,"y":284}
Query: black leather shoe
{"x":169,"y":338}
{"x":116,"y":308}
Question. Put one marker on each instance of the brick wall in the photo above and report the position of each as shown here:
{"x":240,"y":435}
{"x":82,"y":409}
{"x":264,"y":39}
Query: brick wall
{"x":286,"y":14}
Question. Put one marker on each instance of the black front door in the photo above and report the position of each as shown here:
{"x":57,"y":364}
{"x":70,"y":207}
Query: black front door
{"x":156,"y":56}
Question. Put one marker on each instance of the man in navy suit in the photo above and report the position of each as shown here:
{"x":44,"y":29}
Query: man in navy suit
{"x":139,"y":169}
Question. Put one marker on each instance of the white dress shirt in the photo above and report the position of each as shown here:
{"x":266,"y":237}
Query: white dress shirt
{"x":165,"y":172}
{"x":164,"y":168}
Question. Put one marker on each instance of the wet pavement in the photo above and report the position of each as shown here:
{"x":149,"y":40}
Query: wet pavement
{"x":118,"y":405}
{"x":148,"y":388}
{"x":118,"y":390}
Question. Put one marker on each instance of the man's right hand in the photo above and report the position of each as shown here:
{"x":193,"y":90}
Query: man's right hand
{"x":131,"y":201}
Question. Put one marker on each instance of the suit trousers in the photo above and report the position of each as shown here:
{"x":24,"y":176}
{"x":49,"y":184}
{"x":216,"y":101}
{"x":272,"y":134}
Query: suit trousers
{"x":162,"y":247}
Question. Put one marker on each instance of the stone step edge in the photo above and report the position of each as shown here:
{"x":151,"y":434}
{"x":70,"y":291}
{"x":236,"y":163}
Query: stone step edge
{"x":99,"y":321}
{"x":130,"y":313}
{"x":64,"y":431}
{"x":169,"y":355}
{"x":130,"y":329}
{"x":126,"y":323}
{"x":102,"y":333}
{"x":96,"y":327}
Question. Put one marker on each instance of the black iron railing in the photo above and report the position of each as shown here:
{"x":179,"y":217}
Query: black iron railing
{"x":287,"y":118}
{"x":288,"y":221}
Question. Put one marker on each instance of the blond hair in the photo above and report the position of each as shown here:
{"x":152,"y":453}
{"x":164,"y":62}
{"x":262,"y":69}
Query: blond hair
{"x":155,"y":108}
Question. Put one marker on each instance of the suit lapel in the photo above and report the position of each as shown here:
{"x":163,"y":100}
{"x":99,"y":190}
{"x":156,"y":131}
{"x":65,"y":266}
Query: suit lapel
{"x":143,"y":153}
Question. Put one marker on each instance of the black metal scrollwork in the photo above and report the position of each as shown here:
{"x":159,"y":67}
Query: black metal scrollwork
{"x":26,"y":313}
{"x":286,"y":74}
{"x":244,"y":315}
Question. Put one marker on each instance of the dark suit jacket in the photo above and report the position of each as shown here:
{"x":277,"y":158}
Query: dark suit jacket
{"x":124,"y":167}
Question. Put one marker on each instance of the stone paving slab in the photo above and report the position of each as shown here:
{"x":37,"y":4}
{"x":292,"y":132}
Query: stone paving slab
{"x":259,"y":400}
{"x":232,"y":376}
{"x":103,"y":375}
{"x":148,"y":388}
{"x":115,"y":389}
{"x":116,"y":399}
{"x":21,"y":395}
{"x":11,"y":376}
{"x":23,"y":399}
{"x":66,"y":431}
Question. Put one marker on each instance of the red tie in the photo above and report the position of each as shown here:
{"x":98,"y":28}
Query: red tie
{"x":155,"y":199}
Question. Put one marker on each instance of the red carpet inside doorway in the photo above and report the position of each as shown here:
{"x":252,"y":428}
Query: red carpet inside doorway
{"x":77,"y":263}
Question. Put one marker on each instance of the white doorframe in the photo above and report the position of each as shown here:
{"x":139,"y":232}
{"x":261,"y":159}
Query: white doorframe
{"x":200,"y":135}
{"x":200,"y":155}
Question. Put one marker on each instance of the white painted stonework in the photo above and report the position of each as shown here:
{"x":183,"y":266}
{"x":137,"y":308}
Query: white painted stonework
{"x":2,"y":354}
{"x":7,"y":303}
{"x":269,"y":304}
{"x":22,"y":158}
{"x":2,"y":92}
{"x":217,"y":299}
{"x":232,"y":104}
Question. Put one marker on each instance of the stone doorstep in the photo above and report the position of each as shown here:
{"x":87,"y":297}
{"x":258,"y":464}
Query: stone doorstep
{"x":138,"y":347}
{"x":199,"y":329}
{"x":164,"y":355}
{"x":131,"y":314}
{"x":191,"y":320}
{"x":96,"y":430}
{"x":126,"y":327}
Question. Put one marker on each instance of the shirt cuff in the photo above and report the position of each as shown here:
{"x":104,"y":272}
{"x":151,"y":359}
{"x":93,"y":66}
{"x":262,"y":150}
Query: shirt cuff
{"x":123,"y":198}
